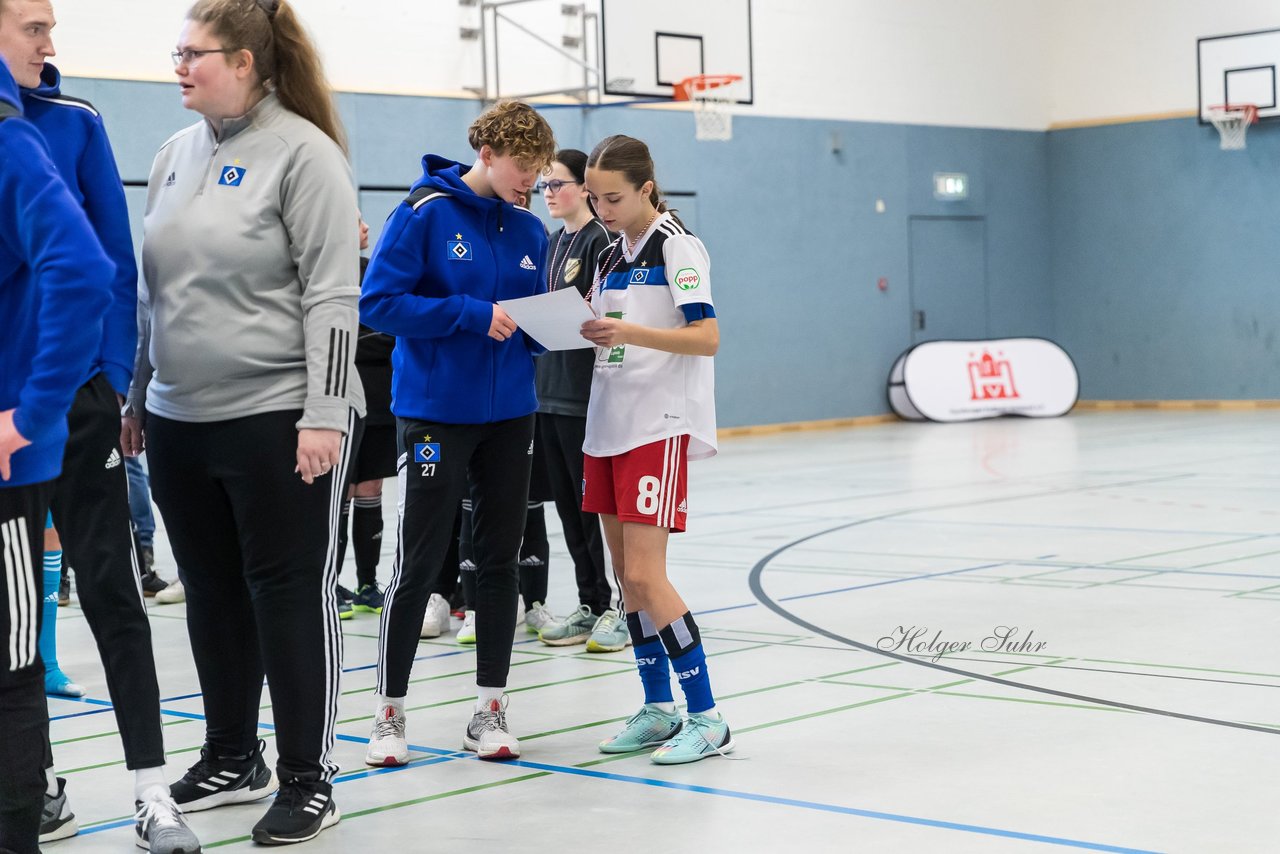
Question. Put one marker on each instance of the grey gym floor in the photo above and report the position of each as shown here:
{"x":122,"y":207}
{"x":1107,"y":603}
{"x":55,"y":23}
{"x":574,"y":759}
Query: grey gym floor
{"x":1140,"y":551}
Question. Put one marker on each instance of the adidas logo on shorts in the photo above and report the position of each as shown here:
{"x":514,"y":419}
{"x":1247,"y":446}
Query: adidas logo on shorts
{"x":114,"y":459}
{"x":526,"y":264}
{"x":683,"y":508}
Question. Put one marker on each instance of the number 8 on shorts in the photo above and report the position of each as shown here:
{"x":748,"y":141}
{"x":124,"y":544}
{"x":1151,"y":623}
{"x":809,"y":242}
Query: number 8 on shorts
{"x":647,"y":484}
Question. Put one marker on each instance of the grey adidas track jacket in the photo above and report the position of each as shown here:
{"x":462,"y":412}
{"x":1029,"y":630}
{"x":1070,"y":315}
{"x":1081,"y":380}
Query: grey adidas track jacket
{"x":250,"y":275}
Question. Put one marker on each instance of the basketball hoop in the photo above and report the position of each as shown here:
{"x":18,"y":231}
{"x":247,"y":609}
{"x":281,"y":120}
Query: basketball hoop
{"x":1232,"y":122}
{"x":711,"y":95}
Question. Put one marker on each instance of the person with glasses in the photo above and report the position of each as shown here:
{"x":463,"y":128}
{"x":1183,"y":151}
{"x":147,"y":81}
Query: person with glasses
{"x":564,"y":387}
{"x":463,"y":395}
{"x":246,"y":378}
{"x":90,"y":507}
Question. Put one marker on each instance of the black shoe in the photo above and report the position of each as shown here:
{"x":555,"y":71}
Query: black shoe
{"x":213,"y":782}
{"x":345,"y":595}
{"x":147,"y":557}
{"x":300,"y":811}
{"x":152,"y":584}
{"x":64,"y":589}
{"x":57,"y":821}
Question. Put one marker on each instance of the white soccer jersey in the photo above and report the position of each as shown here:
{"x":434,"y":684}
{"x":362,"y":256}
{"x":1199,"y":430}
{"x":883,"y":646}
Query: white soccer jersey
{"x":640,"y":395}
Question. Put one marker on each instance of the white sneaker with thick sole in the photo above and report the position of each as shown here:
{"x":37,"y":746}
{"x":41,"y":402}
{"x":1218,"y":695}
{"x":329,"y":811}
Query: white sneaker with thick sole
{"x":174,"y":594}
{"x":467,"y":634}
{"x":436,"y":620}
{"x":487,"y":733}
{"x":537,"y":618}
{"x":387,"y":744}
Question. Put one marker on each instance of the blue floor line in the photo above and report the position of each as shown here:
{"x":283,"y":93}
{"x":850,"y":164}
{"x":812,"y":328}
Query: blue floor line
{"x":441,"y":756}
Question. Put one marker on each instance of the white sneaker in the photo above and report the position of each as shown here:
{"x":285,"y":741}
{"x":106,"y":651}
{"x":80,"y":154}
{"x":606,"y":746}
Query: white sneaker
{"x":174,"y":594}
{"x":467,"y":634}
{"x":537,"y":617}
{"x":487,"y":733}
{"x":387,"y":745}
{"x":436,"y":621}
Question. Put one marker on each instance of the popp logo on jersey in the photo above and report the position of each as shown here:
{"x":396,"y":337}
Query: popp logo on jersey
{"x":688,"y":279}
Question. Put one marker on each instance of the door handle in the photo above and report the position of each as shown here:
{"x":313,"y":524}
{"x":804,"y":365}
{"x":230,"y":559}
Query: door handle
{"x":920,"y":321}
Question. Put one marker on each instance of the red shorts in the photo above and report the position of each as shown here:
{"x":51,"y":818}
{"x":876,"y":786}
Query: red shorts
{"x":648,"y":484}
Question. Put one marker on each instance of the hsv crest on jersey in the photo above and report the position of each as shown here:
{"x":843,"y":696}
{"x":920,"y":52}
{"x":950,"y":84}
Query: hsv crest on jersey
{"x":426,"y":452}
{"x":459,"y":250}
{"x":231,"y":176}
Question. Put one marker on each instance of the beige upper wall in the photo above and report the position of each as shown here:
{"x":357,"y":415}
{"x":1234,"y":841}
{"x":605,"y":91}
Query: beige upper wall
{"x":1114,"y":59}
{"x":1025,"y":64}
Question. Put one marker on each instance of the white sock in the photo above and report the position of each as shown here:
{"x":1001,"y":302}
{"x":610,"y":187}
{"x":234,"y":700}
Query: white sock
{"x":486,"y":696}
{"x":50,"y":782}
{"x":711,"y":713}
{"x":667,"y":708}
{"x":396,"y":703}
{"x":149,"y":783}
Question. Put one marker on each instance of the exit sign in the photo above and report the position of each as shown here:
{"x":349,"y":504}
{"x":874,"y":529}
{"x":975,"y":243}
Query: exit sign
{"x":950,"y":186}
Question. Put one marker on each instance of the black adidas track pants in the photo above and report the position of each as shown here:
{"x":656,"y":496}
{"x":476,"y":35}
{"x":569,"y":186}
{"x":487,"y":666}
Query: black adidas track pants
{"x":257,"y":551}
{"x":91,"y":513}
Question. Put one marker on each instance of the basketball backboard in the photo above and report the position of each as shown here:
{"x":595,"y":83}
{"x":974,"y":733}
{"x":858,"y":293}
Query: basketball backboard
{"x":1239,"y":68}
{"x":649,"y":46}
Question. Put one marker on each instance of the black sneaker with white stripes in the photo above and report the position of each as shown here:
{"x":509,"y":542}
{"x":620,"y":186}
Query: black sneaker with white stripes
{"x":215,"y":781}
{"x":300,"y":811}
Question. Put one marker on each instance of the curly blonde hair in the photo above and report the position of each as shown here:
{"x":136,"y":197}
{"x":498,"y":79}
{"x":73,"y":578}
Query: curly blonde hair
{"x":516,"y":129}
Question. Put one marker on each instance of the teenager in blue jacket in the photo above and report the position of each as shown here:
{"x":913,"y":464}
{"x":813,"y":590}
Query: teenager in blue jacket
{"x":51,"y":302}
{"x":463,"y":396}
{"x":91,"y":498}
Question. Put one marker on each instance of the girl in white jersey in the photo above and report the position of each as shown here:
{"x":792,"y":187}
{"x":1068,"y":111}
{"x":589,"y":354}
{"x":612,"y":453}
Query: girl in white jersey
{"x":652,"y":409}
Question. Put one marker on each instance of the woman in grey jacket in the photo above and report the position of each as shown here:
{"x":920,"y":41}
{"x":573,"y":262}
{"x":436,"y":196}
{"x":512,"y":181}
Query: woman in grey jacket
{"x":246,"y":379}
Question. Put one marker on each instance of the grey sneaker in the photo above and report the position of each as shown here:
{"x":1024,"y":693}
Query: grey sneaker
{"x":609,"y":634}
{"x":57,"y":821}
{"x":575,"y":628}
{"x":161,"y":829}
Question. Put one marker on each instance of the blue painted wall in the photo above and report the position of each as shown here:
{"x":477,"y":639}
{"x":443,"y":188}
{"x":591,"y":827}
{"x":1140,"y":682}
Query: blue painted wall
{"x":1164,"y":259}
{"x":795,"y":241}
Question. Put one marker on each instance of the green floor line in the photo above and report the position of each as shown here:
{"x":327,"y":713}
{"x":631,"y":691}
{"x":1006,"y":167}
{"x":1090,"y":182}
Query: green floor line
{"x":1248,"y":539}
{"x":113,"y":732}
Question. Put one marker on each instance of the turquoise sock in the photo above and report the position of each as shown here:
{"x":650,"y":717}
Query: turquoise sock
{"x":48,"y":629}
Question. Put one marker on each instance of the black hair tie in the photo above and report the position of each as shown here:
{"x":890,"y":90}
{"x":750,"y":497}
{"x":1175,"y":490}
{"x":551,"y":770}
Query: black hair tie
{"x":270,"y":7}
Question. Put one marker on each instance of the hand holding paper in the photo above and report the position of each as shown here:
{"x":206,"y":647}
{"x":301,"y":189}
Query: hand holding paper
{"x":552,"y":319}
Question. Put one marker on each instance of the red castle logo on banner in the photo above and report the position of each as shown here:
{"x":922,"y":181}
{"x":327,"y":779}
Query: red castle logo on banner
{"x":991,"y":379}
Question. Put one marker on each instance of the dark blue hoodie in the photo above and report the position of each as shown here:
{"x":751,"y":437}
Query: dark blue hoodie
{"x":51,"y":295}
{"x":440,"y":265}
{"x":78,"y":143}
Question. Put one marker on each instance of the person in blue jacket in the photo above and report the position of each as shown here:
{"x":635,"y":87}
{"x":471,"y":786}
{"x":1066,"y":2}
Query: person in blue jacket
{"x":51,"y":298}
{"x":464,"y":401}
{"x":90,"y":503}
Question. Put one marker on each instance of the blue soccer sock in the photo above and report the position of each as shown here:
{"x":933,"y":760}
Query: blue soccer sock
{"x":55,"y":681}
{"x":651,"y":659}
{"x":684,"y":646}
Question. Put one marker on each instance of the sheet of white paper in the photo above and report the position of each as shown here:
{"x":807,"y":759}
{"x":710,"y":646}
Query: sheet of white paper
{"x":552,"y":319}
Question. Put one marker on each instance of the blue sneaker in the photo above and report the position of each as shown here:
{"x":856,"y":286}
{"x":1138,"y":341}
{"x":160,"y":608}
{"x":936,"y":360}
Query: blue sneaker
{"x":647,"y":728}
{"x":702,"y":736}
{"x":345,"y":611}
{"x":369,"y":599}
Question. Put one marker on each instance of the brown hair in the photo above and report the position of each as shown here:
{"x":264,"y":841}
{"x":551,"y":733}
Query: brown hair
{"x":283,"y":54}
{"x":515,"y":128}
{"x":631,"y":157}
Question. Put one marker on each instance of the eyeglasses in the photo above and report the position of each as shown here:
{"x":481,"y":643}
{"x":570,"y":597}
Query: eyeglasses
{"x":188,"y":56}
{"x":555,"y":185}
